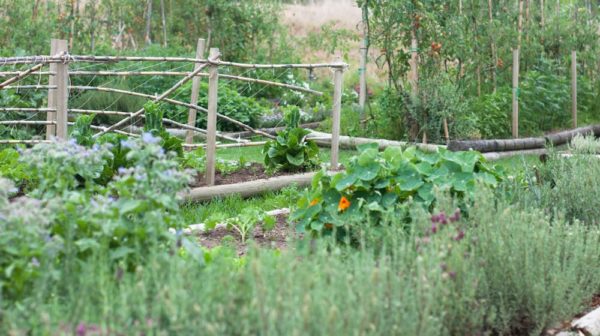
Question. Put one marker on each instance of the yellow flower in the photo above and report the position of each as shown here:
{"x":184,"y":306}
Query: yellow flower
{"x":344,"y":204}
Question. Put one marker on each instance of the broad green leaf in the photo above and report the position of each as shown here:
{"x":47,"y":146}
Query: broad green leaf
{"x":296,"y":160}
{"x":346,"y":181}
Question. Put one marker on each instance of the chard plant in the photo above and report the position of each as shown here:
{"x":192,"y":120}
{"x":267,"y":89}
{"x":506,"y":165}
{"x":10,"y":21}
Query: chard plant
{"x":291,"y":151}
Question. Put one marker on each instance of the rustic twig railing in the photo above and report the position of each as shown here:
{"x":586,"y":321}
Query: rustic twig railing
{"x":58,"y":88}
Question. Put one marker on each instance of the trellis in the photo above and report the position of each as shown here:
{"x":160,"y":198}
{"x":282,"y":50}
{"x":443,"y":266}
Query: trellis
{"x":58,"y":89}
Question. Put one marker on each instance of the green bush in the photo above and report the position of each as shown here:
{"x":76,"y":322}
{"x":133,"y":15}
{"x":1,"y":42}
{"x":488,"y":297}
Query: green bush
{"x":571,"y":185}
{"x":376,"y":184}
{"x":291,"y":151}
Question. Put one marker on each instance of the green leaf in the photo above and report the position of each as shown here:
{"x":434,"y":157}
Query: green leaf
{"x":368,"y":146}
{"x":368,"y":173}
{"x":128,"y":206}
{"x":85,"y":244}
{"x":346,"y":181}
{"x":296,"y":160}
{"x":120,"y":252}
{"x":269,"y":223}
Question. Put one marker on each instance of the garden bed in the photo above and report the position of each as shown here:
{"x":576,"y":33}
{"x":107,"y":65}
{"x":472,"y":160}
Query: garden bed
{"x":276,"y":238}
{"x":251,"y":172}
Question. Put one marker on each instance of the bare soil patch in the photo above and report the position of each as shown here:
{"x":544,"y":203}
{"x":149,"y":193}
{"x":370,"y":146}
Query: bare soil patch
{"x":277,"y":238}
{"x":255,"y":171}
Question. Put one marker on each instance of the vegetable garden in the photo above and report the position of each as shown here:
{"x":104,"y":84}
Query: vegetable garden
{"x":171,"y":190}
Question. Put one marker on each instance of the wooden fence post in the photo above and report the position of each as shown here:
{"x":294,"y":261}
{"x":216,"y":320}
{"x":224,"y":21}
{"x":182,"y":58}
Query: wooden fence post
{"x":574,"y":87}
{"x":211,"y":123}
{"x":362,"y":95}
{"x":338,"y":79}
{"x":189,"y":137}
{"x":57,"y":98}
{"x":515,"y":95}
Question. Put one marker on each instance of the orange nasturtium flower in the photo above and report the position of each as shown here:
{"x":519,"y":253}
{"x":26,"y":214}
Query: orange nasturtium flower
{"x":344,"y":204}
{"x":314,"y":201}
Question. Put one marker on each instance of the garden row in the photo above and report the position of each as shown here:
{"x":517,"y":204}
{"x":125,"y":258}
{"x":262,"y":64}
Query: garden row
{"x":445,"y":238}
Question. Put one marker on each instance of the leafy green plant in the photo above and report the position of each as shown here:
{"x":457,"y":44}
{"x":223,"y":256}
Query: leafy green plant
{"x":82,"y":130}
{"x":154,"y":127}
{"x":291,"y":151}
{"x":376,"y":184}
{"x":245,"y":222}
{"x":25,"y":242}
{"x":11,"y":168}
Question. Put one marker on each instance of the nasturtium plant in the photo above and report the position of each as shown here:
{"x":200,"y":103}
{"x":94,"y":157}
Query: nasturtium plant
{"x":291,"y":151}
{"x":380,"y":182}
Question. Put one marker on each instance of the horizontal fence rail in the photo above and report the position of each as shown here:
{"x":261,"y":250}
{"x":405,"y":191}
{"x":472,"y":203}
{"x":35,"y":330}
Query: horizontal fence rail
{"x":115,"y":59}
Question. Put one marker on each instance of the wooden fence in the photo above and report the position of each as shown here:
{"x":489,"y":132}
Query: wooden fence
{"x":58,"y":88}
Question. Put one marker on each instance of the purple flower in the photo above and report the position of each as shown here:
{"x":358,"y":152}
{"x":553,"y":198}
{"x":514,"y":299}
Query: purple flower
{"x":434,"y":228}
{"x":81,"y":329}
{"x":126,"y":144}
{"x":122,"y":170}
{"x":35,"y":262}
{"x":452,"y":275}
{"x":150,"y":139}
{"x":444,"y":267}
{"x":460,"y":235}
{"x":456,"y":216}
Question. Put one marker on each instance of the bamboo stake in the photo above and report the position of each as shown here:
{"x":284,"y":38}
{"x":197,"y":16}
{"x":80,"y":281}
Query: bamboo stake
{"x":173,"y":73}
{"x":101,"y":128}
{"x":520,"y":24}
{"x":233,"y":145}
{"x":27,"y":109}
{"x":21,"y":75}
{"x":195,"y":91}
{"x":493,"y":46}
{"x":362,"y":97}
{"x":164,"y":22}
{"x":211,"y":120}
{"x":51,"y":116}
{"x":26,"y":122}
{"x":157,"y":99}
{"x":148,"y":22}
{"x":88,"y":58}
{"x":574,"y":87}
{"x":165,"y":120}
{"x":30,"y":87}
{"x":12,"y":142}
{"x":446,"y":132}
{"x":338,"y":79}
{"x":515,"y":95}
{"x":174,"y":102}
{"x":35,"y":73}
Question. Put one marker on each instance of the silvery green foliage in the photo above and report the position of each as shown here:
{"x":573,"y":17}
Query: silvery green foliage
{"x":584,"y":145}
{"x":61,"y":166}
{"x":25,"y":240}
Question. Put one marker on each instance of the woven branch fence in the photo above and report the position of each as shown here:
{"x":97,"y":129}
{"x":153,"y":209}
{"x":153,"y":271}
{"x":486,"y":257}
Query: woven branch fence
{"x":58,"y":88}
